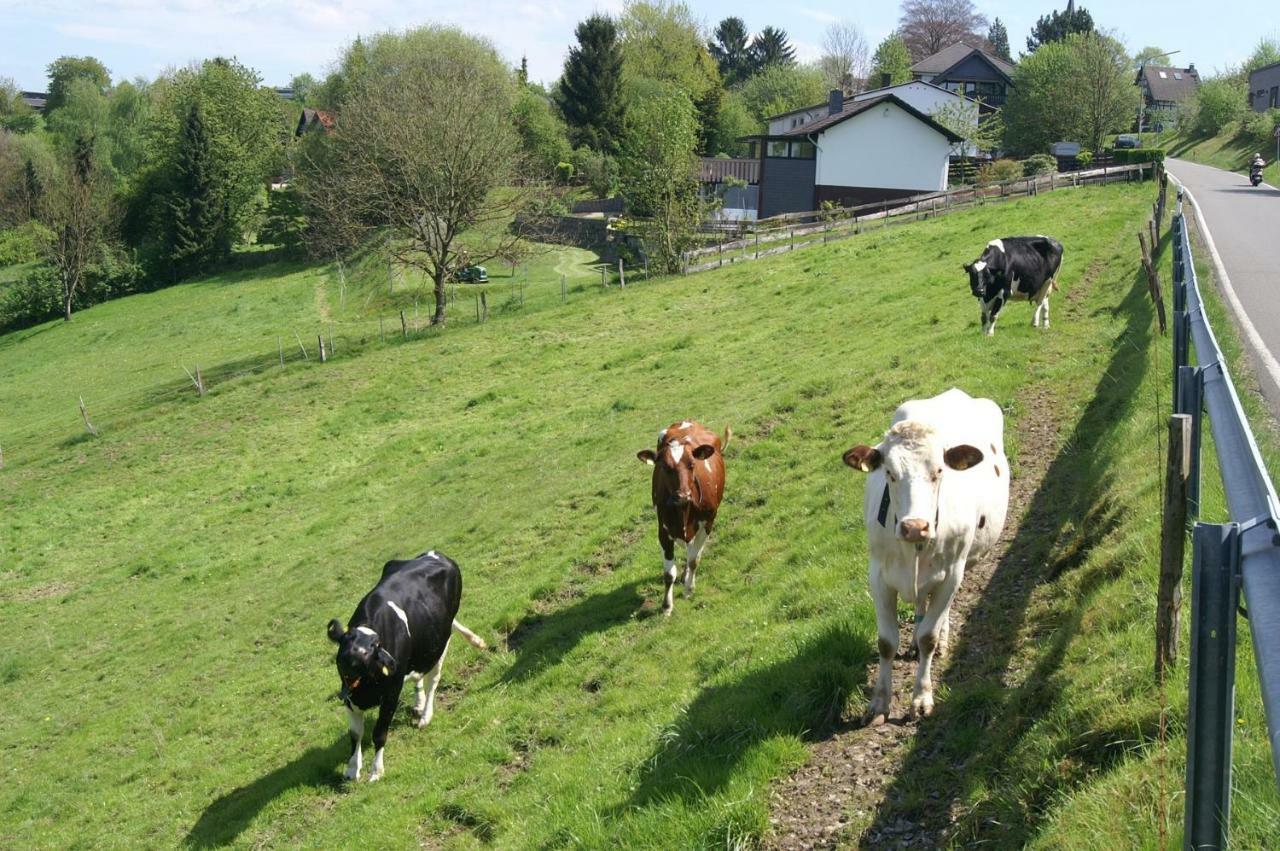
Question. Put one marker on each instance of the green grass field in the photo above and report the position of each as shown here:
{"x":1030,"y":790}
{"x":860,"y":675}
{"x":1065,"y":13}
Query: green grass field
{"x":167,"y":584}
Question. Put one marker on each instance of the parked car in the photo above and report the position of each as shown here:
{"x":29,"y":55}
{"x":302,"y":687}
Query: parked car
{"x":472,"y":275}
{"x":1128,"y":140}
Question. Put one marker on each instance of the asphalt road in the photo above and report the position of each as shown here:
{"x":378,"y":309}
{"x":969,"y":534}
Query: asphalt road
{"x":1244,"y":224}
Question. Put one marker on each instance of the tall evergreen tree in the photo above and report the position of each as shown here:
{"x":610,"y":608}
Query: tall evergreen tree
{"x":731,"y":48}
{"x":1058,"y":25}
{"x":999,"y":38}
{"x":772,"y":47}
{"x":590,"y":90}
{"x":196,"y":208}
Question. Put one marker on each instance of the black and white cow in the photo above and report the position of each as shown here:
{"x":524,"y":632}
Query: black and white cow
{"x":1015,"y":267}
{"x":400,"y":629}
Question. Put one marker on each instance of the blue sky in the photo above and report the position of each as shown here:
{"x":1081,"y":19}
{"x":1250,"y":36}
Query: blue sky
{"x":281,"y":38}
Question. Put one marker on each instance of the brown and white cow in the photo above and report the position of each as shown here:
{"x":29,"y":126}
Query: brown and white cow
{"x":688,"y":483}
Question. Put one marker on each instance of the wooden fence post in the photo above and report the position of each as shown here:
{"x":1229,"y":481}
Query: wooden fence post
{"x":197,"y":379}
{"x":320,"y":346}
{"x":382,"y":334}
{"x":564,"y":292}
{"x":1173,"y":537}
{"x":622,"y":274}
{"x":1153,"y":282}
{"x":85,"y":413}
{"x":484,"y":307}
{"x":1,"y":457}
{"x":304,"y":348}
{"x":602,"y":283}
{"x":280,"y":347}
{"x":404,"y":326}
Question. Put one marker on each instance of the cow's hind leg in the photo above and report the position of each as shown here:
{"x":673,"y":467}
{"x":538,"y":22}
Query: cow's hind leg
{"x":694,"y":556}
{"x":426,"y":703}
{"x":668,"y":571}
{"x":928,"y":635}
{"x":355,"y":729}
{"x":886,"y":602}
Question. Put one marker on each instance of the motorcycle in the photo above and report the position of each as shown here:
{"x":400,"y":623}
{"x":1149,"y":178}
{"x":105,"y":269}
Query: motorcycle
{"x":1255,"y":174}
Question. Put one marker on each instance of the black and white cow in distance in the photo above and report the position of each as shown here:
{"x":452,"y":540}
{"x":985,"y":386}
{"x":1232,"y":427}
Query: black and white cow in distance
{"x":400,"y":629}
{"x":1015,"y":267}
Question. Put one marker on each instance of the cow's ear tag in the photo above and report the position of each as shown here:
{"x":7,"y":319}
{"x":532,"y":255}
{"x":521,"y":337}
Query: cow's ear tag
{"x":385,"y":672}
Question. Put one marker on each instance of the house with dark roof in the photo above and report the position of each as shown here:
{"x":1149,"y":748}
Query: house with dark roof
{"x":313,"y":118}
{"x":968,"y":71}
{"x":35,"y":100}
{"x":1264,"y":88}
{"x":874,"y":149}
{"x":1166,"y":88}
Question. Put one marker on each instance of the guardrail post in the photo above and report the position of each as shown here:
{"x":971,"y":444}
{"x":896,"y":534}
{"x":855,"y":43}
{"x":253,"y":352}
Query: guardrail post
{"x":1189,"y":399}
{"x":1215,"y":594}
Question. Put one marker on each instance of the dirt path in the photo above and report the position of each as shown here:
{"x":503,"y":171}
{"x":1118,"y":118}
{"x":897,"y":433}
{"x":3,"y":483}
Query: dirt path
{"x":840,"y":790}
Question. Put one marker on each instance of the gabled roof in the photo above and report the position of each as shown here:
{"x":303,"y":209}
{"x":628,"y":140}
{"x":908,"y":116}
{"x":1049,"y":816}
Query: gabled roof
{"x":35,"y":100}
{"x":852,"y":108}
{"x":949,"y":57}
{"x":1169,"y":84}
{"x":312,"y":117}
{"x":797,"y":111}
{"x":889,"y":90}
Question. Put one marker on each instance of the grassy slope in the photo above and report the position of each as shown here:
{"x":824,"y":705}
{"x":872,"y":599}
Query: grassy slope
{"x":1227,"y":150}
{"x":177,"y":573}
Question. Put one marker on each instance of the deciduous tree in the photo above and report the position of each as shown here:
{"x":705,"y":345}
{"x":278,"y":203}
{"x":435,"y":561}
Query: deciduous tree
{"x":928,"y":26}
{"x":660,"y":174}
{"x":891,"y":58}
{"x":844,"y":61}
{"x":780,"y":88}
{"x":75,"y":210}
{"x":424,"y":153}
{"x":65,"y":69}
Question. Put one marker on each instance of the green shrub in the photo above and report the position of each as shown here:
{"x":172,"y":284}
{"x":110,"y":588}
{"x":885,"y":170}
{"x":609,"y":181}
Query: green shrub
{"x":998,"y":171}
{"x":1039,"y":164}
{"x":1256,"y":129}
{"x":30,"y":300}
{"x":1129,"y":156}
{"x":564,"y":173}
{"x":1218,"y":103}
{"x":21,"y":243}
{"x":1084,"y":159}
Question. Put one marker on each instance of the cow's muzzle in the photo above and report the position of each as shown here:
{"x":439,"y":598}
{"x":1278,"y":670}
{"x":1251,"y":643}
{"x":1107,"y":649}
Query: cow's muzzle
{"x":680,"y":500}
{"x":915,"y":531}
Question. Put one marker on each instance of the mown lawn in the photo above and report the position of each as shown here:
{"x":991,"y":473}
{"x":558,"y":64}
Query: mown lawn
{"x":167,"y":585}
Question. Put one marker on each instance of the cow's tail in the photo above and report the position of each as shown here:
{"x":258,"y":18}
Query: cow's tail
{"x":728,"y":436}
{"x":470,"y":636}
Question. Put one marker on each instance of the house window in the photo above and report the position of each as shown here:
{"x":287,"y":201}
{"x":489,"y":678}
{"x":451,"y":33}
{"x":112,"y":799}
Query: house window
{"x":1164,"y":76}
{"x":970,"y":89}
{"x":990,"y":89}
{"x":803,"y":151}
{"x":753,"y":149}
{"x":776,"y":150}
{"x":1177,"y":75}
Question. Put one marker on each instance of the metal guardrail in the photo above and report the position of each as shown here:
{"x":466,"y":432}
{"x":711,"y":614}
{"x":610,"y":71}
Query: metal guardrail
{"x":1243,"y":552}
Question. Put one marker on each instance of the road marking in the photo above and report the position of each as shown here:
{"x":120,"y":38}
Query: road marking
{"x":1260,"y":349}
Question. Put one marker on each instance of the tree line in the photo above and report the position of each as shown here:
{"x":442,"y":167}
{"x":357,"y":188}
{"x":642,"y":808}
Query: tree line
{"x":435,"y":148}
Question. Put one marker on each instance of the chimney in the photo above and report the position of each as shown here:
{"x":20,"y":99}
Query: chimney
{"x":835,"y":102}
{"x":885,"y":80}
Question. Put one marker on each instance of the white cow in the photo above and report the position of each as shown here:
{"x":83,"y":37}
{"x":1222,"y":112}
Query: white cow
{"x":935,"y":502}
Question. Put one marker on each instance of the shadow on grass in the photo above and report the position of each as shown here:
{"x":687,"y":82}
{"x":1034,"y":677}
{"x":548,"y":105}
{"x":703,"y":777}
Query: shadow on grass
{"x":802,"y":695}
{"x":542,"y":640}
{"x":226,"y":818}
{"x":971,"y":741}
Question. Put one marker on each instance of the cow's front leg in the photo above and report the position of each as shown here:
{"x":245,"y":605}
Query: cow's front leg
{"x":1045,"y":304}
{"x":944,"y":633}
{"x":355,"y":729}
{"x":693,"y":557}
{"x":668,"y":570}
{"x":426,"y":704}
{"x":386,"y":712}
{"x":886,"y":602}
{"x":928,"y":634}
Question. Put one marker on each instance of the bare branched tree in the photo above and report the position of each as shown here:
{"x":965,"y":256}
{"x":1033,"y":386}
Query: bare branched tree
{"x":928,"y":26}
{"x":845,"y":60}
{"x":425,"y":152}
{"x":75,"y":209}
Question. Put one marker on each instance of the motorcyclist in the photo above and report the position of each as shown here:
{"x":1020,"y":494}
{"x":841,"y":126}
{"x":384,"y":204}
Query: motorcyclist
{"x":1257,"y":163}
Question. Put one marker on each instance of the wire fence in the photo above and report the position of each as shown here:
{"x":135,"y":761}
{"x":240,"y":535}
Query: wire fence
{"x":787,"y":232}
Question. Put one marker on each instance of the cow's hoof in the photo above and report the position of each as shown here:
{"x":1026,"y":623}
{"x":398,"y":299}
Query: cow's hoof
{"x":351,"y":775}
{"x":922,"y":706}
{"x":667,"y":610}
{"x":688,"y":593}
{"x":877,"y":712}
{"x":374,"y":778}
{"x":423,"y":721}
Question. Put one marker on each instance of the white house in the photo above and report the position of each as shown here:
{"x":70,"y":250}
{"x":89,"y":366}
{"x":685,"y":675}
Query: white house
{"x":876,"y":148}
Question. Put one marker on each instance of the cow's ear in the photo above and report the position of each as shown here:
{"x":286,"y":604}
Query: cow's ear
{"x":968,"y":267}
{"x":386,"y":662}
{"x":647,"y":456}
{"x":704,"y":451}
{"x":962,"y":457}
{"x":864,"y":458}
{"x":335,"y":631}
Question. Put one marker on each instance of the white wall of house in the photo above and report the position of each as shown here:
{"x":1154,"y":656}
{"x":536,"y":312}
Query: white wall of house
{"x":927,"y":99}
{"x":795,"y":120}
{"x":885,"y":147}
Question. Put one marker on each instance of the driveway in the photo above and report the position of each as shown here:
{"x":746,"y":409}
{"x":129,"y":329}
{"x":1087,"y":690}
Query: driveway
{"x":1244,"y":226}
